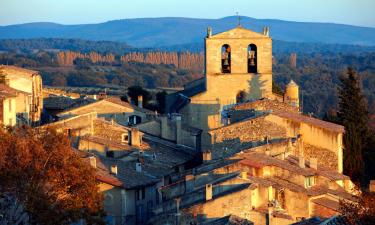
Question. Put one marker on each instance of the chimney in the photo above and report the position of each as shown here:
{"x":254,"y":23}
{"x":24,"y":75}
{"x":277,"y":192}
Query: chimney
{"x":266,"y":31}
{"x":138,"y":167}
{"x":207,"y":156}
{"x":244,"y":175}
{"x":178,"y":129}
{"x":164,"y":127}
{"x":135,"y":137}
{"x":114,"y":169}
{"x":189,"y":182}
{"x":208,"y":192}
{"x":314,"y":163}
{"x":209,"y":32}
{"x":301,"y":161}
{"x":92,"y":161}
{"x":140,"y":101}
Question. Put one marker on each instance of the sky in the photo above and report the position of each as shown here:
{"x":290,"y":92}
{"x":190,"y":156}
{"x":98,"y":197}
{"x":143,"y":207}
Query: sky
{"x":353,"y":12}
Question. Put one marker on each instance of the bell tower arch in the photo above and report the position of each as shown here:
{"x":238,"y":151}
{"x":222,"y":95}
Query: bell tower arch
{"x":238,"y":60}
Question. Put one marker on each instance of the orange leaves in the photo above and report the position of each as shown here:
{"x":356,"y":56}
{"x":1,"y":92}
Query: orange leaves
{"x":52,"y":181}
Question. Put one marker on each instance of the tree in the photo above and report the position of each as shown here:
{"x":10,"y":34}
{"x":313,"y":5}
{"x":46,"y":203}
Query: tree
{"x":135,"y":91}
{"x":353,"y":116}
{"x":161,"y":100}
{"x":277,"y":89}
{"x":361,"y":211}
{"x":50,"y":180}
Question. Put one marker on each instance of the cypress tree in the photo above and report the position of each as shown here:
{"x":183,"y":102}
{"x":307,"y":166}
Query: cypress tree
{"x":353,"y":115}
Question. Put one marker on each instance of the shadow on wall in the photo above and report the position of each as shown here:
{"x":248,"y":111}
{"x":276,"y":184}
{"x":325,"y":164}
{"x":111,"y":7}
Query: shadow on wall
{"x":256,"y":87}
{"x":205,"y":117}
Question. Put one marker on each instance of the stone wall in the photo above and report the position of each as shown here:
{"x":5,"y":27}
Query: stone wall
{"x":151,"y":127}
{"x":237,"y":203}
{"x":239,"y":136}
{"x":239,"y":40}
{"x":266,"y":105}
{"x":325,"y":157}
{"x":107,"y":130}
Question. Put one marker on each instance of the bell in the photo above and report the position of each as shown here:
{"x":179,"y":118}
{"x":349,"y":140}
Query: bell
{"x":252,"y":62}
{"x":226,"y":62}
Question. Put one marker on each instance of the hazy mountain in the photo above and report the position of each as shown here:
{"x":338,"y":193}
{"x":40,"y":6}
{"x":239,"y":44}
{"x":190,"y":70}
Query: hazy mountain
{"x":157,"y":32}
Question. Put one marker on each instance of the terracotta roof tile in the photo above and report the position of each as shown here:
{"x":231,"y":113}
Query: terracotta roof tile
{"x":7,"y":92}
{"x":9,"y":70}
{"x":310,"y":120}
{"x":328,"y":203}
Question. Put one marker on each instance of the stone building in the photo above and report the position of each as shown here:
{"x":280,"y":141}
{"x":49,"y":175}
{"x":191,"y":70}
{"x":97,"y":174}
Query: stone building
{"x":111,"y":109}
{"x":131,"y":166}
{"x":8,"y":97}
{"x":260,"y":154}
{"x":28,"y":83}
{"x":227,"y":150}
{"x":238,"y":68}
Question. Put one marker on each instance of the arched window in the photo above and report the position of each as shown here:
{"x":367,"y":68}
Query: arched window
{"x":241,"y":97}
{"x":252,"y":66}
{"x":225,"y":59}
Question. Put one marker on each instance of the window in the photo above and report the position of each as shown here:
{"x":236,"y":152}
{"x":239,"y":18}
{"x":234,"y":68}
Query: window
{"x":124,"y":137}
{"x":134,"y":119}
{"x":309,"y":181}
{"x":225,"y":59}
{"x":141,"y":193}
{"x":110,"y":154}
{"x":252,"y":65}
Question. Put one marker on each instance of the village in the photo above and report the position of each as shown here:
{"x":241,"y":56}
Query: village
{"x":227,"y":150}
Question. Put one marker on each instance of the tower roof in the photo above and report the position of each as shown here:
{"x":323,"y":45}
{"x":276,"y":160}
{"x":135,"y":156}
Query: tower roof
{"x":292,"y":84}
{"x":238,"y":32}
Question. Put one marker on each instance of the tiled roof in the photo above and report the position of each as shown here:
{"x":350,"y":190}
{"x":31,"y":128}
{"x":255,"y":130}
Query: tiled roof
{"x":192,"y":130}
{"x":126,"y":176}
{"x":7,"y":92}
{"x":328,"y":203}
{"x":310,"y":221}
{"x":288,"y":112}
{"x":65,"y":103}
{"x":106,"y":141}
{"x":111,"y":100}
{"x":265,"y":104}
{"x":9,"y":70}
{"x":228,"y":220}
{"x":179,"y":99}
{"x":322,"y":170}
{"x":118,"y":101}
{"x":254,"y":159}
{"x":282,"y":215}
{"x":310,"y":120}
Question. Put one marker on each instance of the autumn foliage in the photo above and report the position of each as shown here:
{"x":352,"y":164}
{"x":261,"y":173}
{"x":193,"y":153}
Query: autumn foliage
{"x":48,"y":177}
{"x":360,"y":212}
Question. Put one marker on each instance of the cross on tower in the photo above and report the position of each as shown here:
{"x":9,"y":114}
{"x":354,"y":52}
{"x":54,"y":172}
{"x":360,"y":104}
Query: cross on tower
{"x":239,"y":19}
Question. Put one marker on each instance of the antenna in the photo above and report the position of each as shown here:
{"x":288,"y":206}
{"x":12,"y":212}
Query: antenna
{"x":239,"y":19}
